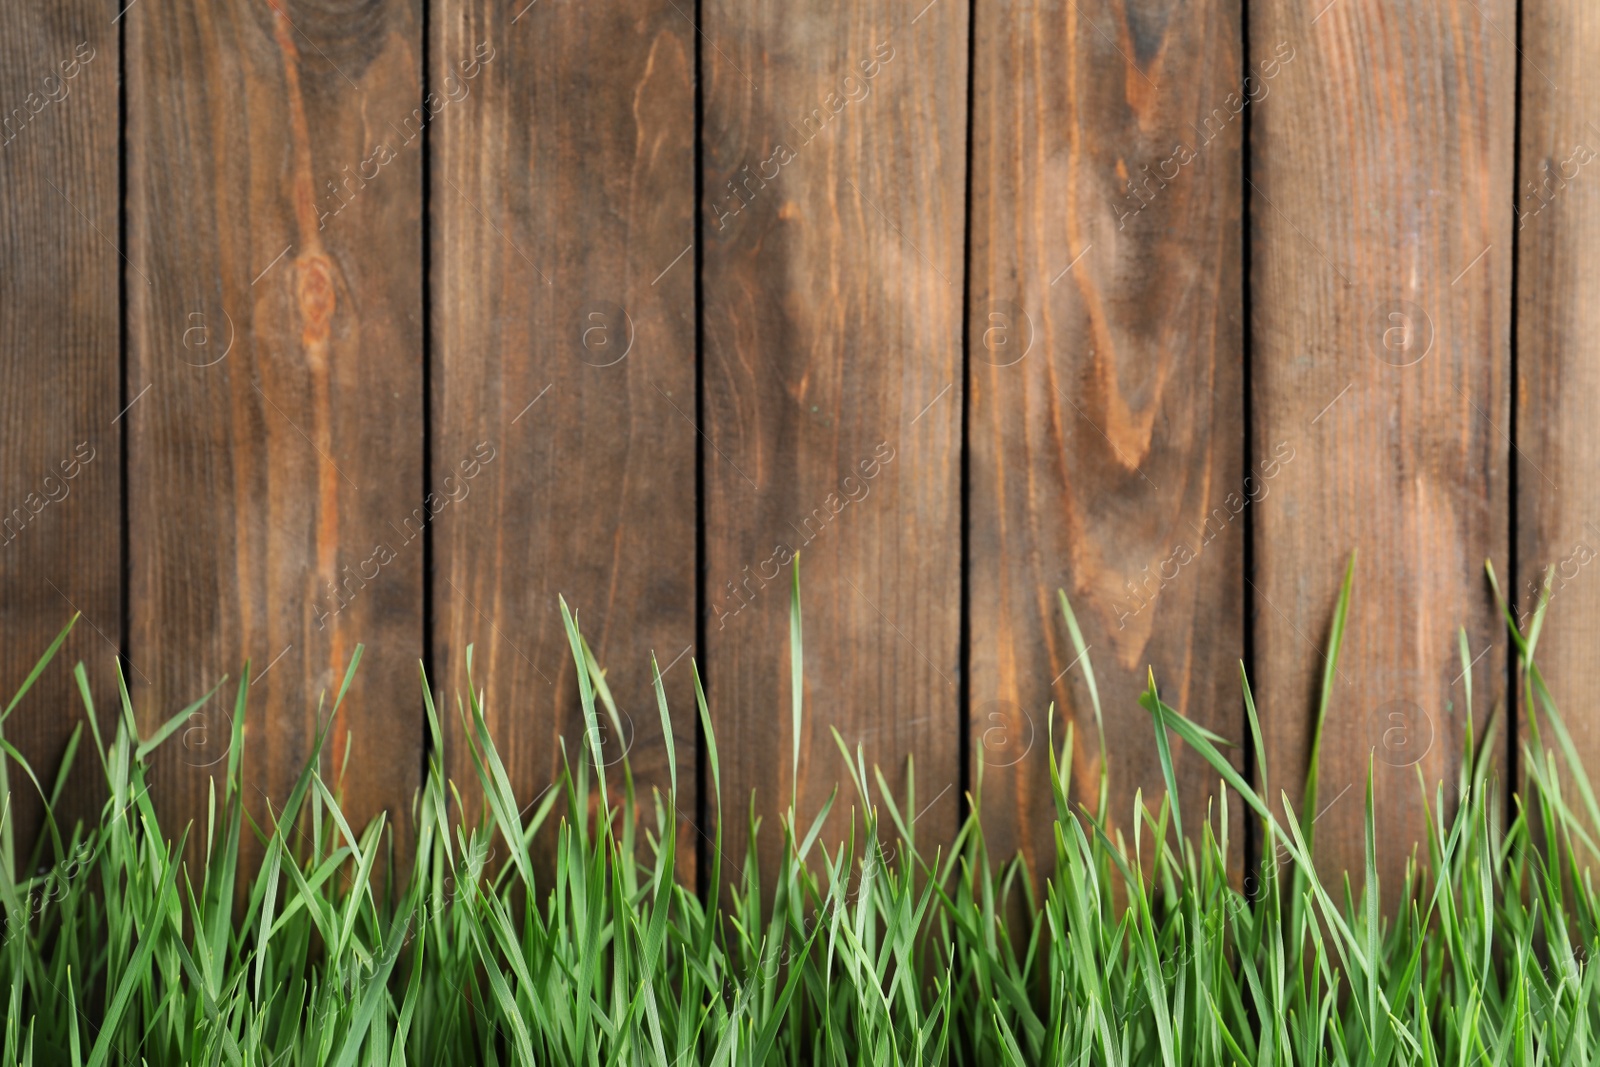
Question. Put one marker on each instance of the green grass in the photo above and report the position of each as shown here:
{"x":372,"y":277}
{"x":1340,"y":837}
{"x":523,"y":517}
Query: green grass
{"x":566,"y":936}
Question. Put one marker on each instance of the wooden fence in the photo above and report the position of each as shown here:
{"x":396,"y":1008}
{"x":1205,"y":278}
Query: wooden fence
{"x":387,"y":322}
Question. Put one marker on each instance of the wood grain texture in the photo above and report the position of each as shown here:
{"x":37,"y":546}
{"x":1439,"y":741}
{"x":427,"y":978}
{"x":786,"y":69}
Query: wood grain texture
{"x":263,"y":477}
{"x":1107,"y":424}
{"x":60,"y":451}
{"x":1380,"y":274}
{"x":1557,"y":218}
{"x":835,"y":142}
{"x":563,"y":191}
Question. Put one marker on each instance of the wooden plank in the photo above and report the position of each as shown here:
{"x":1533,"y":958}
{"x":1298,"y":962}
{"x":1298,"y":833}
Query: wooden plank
{"x":562,"y":196}
{"x":1557,"y":203}
{"x":1107,"y":434}
{"x":60,"y":374}
{"x":1381,"y":267}
{"x":835,"y":139}
{"x":275,"y":381}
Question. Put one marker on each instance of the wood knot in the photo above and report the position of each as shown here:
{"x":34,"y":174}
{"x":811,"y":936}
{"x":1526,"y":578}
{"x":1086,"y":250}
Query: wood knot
{"x":316,"y":295}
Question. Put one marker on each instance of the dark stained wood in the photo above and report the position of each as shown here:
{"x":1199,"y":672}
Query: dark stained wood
{"x":265,"y":484}
{"x":1107,"y":428}
{"x":60,"y":518}
{"x":279,"y":480}
{"x":1557,"y":201}
{"x":1380,"y":292}
{"x":835,"y":138}
{"x":563,"y":294}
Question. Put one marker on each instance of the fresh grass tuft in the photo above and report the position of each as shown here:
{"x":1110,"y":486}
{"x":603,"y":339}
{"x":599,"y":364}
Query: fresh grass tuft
{"x":564,"y":934}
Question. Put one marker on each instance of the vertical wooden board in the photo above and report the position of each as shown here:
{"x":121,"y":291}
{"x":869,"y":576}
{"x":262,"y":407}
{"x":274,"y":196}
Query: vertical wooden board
{"x":276,"y":392}
{"x":1380,"y":273}
{"x":1557,"y":203}
{"x":835,"y":144}
{"x":563,"y":290}
{"x":1107,"y":426}
{"x":60,"y":450}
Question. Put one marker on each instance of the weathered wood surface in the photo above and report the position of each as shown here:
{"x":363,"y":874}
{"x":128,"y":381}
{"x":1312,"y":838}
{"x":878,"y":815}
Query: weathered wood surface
{"x":564,"y":379}
{"x":1380,"y":288}
{"x":835,"y":134}
{"x":1107,"y":429}
{"x":364,"y":300}
{"x":60,"y":444}
{"x":1557,"y":210}
{"x":274,"y":376}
